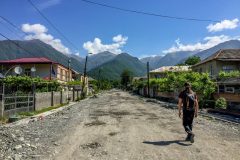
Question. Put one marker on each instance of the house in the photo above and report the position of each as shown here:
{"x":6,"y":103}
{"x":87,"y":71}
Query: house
{"x":162,"y":71}
{"x":37,"y":67}
{"x":230,"y":90}
{"x":226,"y":60}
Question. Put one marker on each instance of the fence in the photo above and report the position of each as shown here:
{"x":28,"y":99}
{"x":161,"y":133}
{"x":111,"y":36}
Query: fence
{"x":11,"y":104}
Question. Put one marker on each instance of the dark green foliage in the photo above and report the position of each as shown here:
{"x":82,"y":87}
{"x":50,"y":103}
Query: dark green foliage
{"x":225,"y":75}
{"x":126,"y":78}
{"x":192,"y":60}
{"x":221,"y":103}
{"x":201,"y":83}
{"x":25,"y":84}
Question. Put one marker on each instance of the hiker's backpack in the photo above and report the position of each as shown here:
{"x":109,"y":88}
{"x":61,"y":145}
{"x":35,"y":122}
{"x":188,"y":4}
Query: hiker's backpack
{"x":190,"y":100}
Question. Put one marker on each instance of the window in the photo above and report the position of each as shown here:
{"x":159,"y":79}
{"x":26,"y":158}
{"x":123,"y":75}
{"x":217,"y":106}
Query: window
{"x":229,"y":89}
{"x":221,"y":88}
{"x":211,"y":70}
{"x":27,"y":72}
{"x":228,"y":68}
{"x":200,"y":70}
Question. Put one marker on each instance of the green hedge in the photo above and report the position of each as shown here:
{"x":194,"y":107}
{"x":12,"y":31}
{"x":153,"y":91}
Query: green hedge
{"x":25,"y":84}
{"x":201,"y":83}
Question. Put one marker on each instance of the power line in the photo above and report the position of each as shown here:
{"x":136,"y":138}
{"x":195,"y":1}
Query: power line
{"x":53,"y":26}
{"x":11,"y":30}
{"x":149,"y":13}
{"x":15,"y":43}
{"x":12,"y":24}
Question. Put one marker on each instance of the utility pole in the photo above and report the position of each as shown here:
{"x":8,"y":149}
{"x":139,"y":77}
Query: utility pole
{"x":148,"y":85}
{"x":84,"y":75}
{"x":69,"y":65}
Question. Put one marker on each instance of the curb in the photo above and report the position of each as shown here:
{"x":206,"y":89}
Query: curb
{"x":38,"y":116}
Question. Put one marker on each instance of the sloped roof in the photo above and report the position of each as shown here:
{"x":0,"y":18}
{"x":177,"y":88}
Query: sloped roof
{"x":27,"y":60}
{"x":230,"y":81}
{"x":223,"y":55}
{"x":36,"y":60}
{"x":171,"y":69}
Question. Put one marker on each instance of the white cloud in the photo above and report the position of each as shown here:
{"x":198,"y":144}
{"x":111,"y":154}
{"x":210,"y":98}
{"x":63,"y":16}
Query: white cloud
{"x":97,"y":46}
{"x":147,"y":55}
{"x":38,"y":31}
{"x":225,"y":24}
{"x":208,"y":42}
{"x":48,"y":3}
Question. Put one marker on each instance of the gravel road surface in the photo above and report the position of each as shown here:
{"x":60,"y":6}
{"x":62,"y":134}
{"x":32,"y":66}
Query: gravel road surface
{"x":118,"y":125}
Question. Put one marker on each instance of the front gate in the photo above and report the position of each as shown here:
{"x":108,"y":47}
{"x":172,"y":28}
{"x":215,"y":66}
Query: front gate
{"x":15,"y":102}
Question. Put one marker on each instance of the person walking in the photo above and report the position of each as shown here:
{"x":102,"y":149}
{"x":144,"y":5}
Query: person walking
{"x":188,"y":109}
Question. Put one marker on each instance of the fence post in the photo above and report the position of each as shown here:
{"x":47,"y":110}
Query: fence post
{"x":52,"y":98}
{"x":61,"y":97}
{"x":34,"y":101}
{"x":28,"y":101}
{"x":15,"y":99}
{"x":73,"y":95}
{"x":3,"y":99}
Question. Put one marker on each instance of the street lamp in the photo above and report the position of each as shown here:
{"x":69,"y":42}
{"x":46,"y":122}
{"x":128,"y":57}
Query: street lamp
{"x":84,"y":74}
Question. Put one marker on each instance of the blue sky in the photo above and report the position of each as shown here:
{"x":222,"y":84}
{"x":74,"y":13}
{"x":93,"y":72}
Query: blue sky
{"x":102,"y":28}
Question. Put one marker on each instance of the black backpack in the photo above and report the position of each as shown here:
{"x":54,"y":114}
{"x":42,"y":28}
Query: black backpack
{"x":190,"y":100}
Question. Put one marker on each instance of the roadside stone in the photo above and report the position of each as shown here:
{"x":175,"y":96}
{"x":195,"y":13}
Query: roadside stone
{"x":17,"y":147}
{"x":33,"y":146}
{"x":56,"y":144}
{"x":17,"y":157}
{"x":27,"y":144}
{"x":21,"y":139}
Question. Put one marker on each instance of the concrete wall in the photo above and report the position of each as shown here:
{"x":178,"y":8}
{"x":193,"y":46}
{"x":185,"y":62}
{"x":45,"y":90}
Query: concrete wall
{"x":42,"y":100}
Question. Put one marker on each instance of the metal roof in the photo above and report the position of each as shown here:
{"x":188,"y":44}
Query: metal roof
{"x":27,"y":60}
{"x":223,"y":55}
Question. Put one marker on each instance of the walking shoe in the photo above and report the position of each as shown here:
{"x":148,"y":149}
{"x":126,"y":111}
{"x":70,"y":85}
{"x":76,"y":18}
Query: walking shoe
{"x":192,"y":138}
{"x":188,"y":137}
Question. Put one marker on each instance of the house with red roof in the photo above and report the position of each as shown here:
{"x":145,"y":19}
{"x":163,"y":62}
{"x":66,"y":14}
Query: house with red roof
{"x":37,"y":67}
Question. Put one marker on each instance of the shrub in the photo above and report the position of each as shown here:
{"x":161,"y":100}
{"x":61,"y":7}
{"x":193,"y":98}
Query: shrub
{"x":232,"y":74}
{"x":25,"y":84}
{"x":221,"y":103}
{"x":201,"y":83}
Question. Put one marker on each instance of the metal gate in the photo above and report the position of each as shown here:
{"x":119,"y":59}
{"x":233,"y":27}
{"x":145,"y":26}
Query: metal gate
{"x":15,"y":102}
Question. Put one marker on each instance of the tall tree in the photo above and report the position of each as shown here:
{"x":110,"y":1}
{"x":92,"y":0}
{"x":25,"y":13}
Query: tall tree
{"x":192,"y":60}
{"x":126,"y":78}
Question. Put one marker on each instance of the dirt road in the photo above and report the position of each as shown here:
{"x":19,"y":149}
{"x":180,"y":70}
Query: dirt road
{"x":118,"y":125}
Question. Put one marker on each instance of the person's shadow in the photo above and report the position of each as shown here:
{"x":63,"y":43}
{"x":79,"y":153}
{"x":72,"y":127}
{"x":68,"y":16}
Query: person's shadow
{"x":165,"y":143}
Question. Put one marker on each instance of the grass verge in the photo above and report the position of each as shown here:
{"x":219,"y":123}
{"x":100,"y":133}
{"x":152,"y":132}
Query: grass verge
{"x":29,"y":114}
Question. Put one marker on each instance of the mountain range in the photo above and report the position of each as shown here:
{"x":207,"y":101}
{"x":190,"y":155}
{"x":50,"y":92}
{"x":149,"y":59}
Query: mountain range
{"x":179,"y":57}
{"x":109,"y":65}
{"x":35,"y":48}
{"x":113,"y":68}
